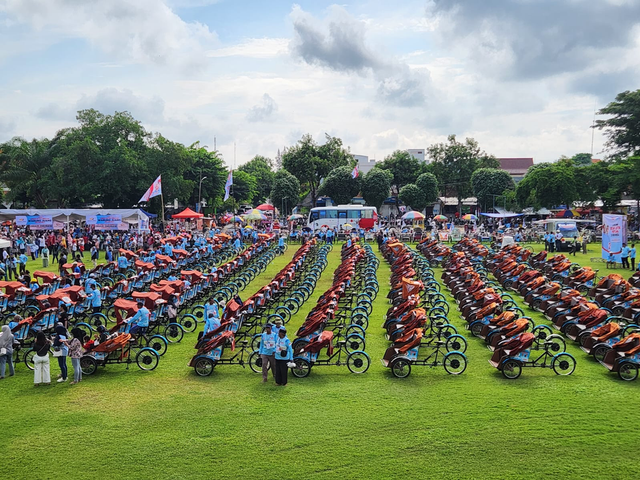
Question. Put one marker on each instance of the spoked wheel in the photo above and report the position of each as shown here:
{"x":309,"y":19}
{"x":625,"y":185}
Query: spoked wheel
{"x":255,"y":342}
{"x":198,"y":312}
{"x":88,"y":365}
{"x":293,"y":305}
{"x":455,"y":363}
{"x":28,"y":359}
{"x":158,"y":343}
{"x":302,"y":368}
{"x":599,"y":351}
{"x":401,"y":367}
{"x":284,"y":312}
{"x":476,"y":328}
{"x":204,"y":366}
{"x":358,"y":362}
{"x":86,"y":328}
{"x":565,"y":364}
{"x":628,"y":371}
{"x":542,"y":332}
{"x":147,"y":359}
{"x":110,"y":313}
{"x":189,"y":322}
{"x":355,"y":343}
{"x":255,"y":362}
{"x":456,"y":343}
{"x":511,"y":369}
{"x":556,"y":344}
{"x":361,"y":320}
{"x":173,"y":333}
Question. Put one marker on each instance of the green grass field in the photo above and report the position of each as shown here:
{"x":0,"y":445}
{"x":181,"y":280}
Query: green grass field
{"x":169,"y":423}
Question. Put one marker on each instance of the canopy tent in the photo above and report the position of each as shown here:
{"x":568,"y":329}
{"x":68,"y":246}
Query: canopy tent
{"x":150,"y":215}
{"x":502,"y":215}
{"x":5,"y":243}
{"x":129,"y":215}
{"x":186,"y":214}
{"x":266,"y":207}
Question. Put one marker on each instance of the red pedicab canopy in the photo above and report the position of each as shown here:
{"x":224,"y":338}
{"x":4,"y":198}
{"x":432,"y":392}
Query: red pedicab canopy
{"x":195,"y":275}
{"x":186,"y":214}
{"x":120,"y":306}
{"x":144,"y":265}
{"x":180,"y":252}
{"x":127,"y":253}
{"x":150,"y":299}
{"x":11,"y":287}
{"x":164,"y":258}
{"x":47,"y":277}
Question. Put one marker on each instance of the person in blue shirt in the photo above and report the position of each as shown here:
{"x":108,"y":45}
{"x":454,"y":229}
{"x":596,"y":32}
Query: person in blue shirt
{"x":624,"y":256}
{"x":632,"y":257}
{"x":23,"y":259}
{"x":284,"y":355}
{"x":140,"y":321}
{"x":123,"y":263}
{"x":172,"y":278}
{"x":89,"y":283}
{"x":281,"y":244}
{"x":237,"y":245}
{"x":267,"y":352}
{"x":211,"y":309}
{"x":168,"y":249}
{"x":76,"y":268}
{"x":94,"y":298}
{"x":277,"y":326}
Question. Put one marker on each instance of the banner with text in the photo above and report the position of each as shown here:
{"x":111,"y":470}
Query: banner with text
{"x":35,"y":222}
{"x":105,"y":222}
{"x":614,"y":234}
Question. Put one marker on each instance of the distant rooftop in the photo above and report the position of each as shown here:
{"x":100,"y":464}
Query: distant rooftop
{"x":515,"y":166}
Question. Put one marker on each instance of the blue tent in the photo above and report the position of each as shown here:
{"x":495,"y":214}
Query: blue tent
{"x":150,"y":215}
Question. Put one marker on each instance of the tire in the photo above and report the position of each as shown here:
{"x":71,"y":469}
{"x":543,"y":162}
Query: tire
{"x":599,"y":351}
{"x":628,"y":371}
{"x":557,"y":345}
{"x":88,"y":365}
{"x":85,"y":327}
{"x":456,"y":343}
{"x":358,"y":362}
{"x":401,"y":367}
{"x":455,"y":363}
{"x":476,"y":328}
{"x":198,"y":312}
{"x":94,"y":318}
{"x":565,"y":364}
{"x":158,"y":343}
{"x":355,"y":343}
{"x":361,"y":320}
{"x":255,"y":362}
{"x":354,"y":328}
{"x":189,"y":322}
{"x":255,"y":342}
{"x":203,"y":366}
{"x":173,"y":332}
{"x":302,"y":368}
{"x":284,"y":312}
{"x":147,"y":359}
{"x":511,"y":369}
{"x":28,"y":359}
{"x":292,"y":304}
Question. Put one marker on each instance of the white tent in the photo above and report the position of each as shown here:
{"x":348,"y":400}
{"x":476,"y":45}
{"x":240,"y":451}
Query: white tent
{"x":65,"y":215}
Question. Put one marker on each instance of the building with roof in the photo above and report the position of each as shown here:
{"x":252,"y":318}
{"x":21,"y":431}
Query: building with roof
{"x":365,"y":164}
{"x":417,"y":153}
{"x":516,"y":167}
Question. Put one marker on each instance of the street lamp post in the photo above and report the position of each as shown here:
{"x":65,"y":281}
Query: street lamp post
{"x":200,"y":194}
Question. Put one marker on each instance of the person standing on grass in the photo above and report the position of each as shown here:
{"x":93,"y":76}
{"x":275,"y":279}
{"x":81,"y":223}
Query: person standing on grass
{"x":23,"y":263}
{"x":61,"y":351}
{"x":624,"y":256}
{"x":6,"y":351}
{"x":632,"y":256}
{"x":75,"y":353}
{"x":284,"y":355}
{"x":94,"y":297}
{"x":45,"y":256}
{"x":12,"y":267}
{"x":267,"y":352}
{"x":41,"y":367}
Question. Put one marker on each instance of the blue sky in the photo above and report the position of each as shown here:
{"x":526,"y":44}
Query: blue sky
{"x":522,"y":77}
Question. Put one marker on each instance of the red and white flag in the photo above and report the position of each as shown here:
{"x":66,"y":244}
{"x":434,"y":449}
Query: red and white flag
{"x":355,"y":172}
{"x":154,"y":190}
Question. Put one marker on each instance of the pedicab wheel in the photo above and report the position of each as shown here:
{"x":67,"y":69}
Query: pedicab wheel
{"x":147,"y":359}
{"x":189,"y":322}
{"x":401,"y":367}
{"x":255,"y":341}
{"x":298,"y":344}
{"x":88,"y":365}
{"x":173,"y":332}
{"x":241,"y":283}
{"x":85,"y":327}
{"x":542,"y":332}
{"x":28,"y":359}
{"x":97,"y":319}
{"x":204,"y":366}
{"x":198,"y":312}
{"x":455,"y":363}
{"x":628,"y":371}
{"x":556,"y":344}
{"x":358,"y":362}
{"x":446,"y":331}
{"x":110,"y":313}
{"x":30,"y":311}
{"x":284,"y":313}
{"x":565,"y":364}
{"x":302,"y":368}
{"x":511,"y":369}
{"x":355,"y":343}
{"x":535,"y":304}
{"x":255,"y":362}
{"x":599,"y":351}
{"x":292,"y":304}
{"x":355,"y":328}
{"x":456,"y":343}
{"x":158,"y":343}
{"x":476,"y":328}
{"x":360,"y":320}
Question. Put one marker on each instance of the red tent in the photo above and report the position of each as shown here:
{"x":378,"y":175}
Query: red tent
{"x":187,"y":213}
{"x":265,"y":206}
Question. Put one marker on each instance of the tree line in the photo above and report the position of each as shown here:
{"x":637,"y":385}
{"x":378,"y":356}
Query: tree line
{"x":112,"y":159}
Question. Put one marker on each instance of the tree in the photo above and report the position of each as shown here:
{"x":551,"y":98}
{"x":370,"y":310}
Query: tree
{"x":404,"y":168}
{"x":286,"y":191}
{"x":244,"y":187}
{"x":310,"y":163}
{"x":376,"y":184}
{"x":489,"y":182}
{"x":454,"y":162}
{"x":26,"y":170}
{"x":340,"y":186}
{"x":412,"y":195}
{"x":622,"y":128}
{"x":582,"y":159}
{"x":548,"y":185}
{"x":428,"y":185}
{"x":261,"y":169}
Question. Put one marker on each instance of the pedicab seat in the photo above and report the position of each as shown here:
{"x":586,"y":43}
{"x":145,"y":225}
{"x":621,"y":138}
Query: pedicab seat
{"x":517,"y":346}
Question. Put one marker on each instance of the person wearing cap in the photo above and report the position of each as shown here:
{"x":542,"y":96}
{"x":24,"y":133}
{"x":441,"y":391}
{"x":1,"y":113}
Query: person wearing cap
{"x":277,"y":326}
{"x":284,"y":355}
{"x":267,"y":352}
{"x":94,"y":298}
{"x":90,"y":282}
{"x":140,"y":321}
{"x":211,"y":316}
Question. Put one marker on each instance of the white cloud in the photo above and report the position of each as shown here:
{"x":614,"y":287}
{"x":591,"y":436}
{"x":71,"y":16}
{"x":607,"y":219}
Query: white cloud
{"x":253,"y":48}
{"x":265,"y":110}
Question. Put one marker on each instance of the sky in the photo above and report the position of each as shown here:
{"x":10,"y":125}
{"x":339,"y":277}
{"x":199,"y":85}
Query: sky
{"x":523,"y":77}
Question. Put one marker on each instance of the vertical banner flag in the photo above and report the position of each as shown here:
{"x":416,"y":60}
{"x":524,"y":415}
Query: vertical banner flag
{"x":154,"y":190}
{"x":227,"y":185}
{"x":355,"y":172}
{"x":614,"y":234}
